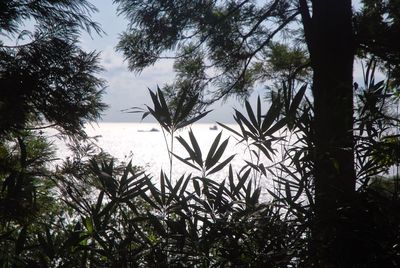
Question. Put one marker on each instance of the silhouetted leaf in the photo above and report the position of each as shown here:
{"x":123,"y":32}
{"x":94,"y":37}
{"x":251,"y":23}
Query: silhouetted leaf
{"x":185,"y":184}
{"x":221,"y":165}
{"x":259,"y":111}
{"x":295,"y":105}
{"x":218,"y":154}
{"x":242,"y":179}
{"x":197,"y":156}
{"x":187,"y":147}
{"x":186,"y":162}
{"x":250,"y":113}
{"x":280,"y":124}
{"x":271,"y":116}
{"x":196,"y":186}
{"x":230,"y":129}
{"x":212,"y":150}
{"x":246,"y":122}
{"x":192,"y":120}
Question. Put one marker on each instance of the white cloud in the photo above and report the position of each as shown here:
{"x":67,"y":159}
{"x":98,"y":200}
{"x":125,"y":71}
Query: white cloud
{"x":110,"y":59}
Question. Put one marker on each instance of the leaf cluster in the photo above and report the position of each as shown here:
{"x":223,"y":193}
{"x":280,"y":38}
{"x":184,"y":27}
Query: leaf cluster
{"x":172,"y":117}
{"x":48,"y":78}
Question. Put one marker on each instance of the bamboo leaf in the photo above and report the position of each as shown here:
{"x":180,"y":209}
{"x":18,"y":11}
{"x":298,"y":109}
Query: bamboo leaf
{"x":277,"y":198}
{"x":231,"y":182}
{"x":124,"y":178}
{"x":174,"y":190}
{"x":242,"y":179}
{"x":259,"y":111}
{"x":250,"y":113}
{"x":245,"y":121}
{"x":218,"y":154}
{"x":280,"y":124}
{"x":154,"y":192}
{"x":218,"y":195}
{"x":157,"y":105}
{"x":271,"y":116}
{"x":255,"y":197}
{"x":221,"y":165}
{"x":99,"y":202}
{"x":248,"y":192}
{"x":185,"y":184}
{"x":164,"y":106}
{"x":230,"y":129}
{"x":253,"y":166}
{"x":145,"y":114}
{"x":159,"y":119}
{"x":187,"y":147}
{"x":198,"y":156}
{"x":162,"y":185}
{"x":288,"y":192}
{"x":186,"y":162}
{"x":264,"y":150}
{"x":192,"y":120}
{"x":242,"y":129}
{"x":212,"y":150}
{"x":196,"y":187}
{"x":181,"y":113}
{"x":296,"y":100}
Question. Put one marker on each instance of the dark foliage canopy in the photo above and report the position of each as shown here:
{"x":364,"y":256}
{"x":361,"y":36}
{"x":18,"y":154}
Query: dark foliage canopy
{"x":45,"y":77}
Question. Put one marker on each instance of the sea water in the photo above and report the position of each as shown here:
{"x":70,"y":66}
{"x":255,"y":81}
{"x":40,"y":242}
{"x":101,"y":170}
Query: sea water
{"x":145,"y":145}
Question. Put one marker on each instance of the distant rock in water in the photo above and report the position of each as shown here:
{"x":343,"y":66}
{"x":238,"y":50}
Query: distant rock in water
{"x":151,"y":130}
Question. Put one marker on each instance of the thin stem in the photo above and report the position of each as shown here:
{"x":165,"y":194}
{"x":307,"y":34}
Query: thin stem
{"x":171,"y":155}
{"x":41,"y":127}
{"x":166,"y":144}
{"x":252,"y":161}
{"x":259,"y":172}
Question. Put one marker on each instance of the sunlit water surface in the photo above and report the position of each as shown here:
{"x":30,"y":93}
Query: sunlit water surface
{"x":147,"y":149}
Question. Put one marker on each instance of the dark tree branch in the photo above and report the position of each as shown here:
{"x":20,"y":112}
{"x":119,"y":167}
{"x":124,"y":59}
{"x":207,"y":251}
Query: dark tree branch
{"x":272,"y":35}
{"x":261,"y":19}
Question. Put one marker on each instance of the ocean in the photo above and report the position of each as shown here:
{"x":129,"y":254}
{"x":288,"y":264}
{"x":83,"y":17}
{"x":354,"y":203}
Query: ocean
{"x":146,"y":148}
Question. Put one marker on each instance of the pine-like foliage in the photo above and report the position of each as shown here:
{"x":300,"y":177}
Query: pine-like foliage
{"x":44,"y":75}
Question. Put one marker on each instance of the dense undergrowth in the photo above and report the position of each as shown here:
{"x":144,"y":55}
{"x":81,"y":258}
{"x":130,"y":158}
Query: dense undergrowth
{"x":92,"y":211}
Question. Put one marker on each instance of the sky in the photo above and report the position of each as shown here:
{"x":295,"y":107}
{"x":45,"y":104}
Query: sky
{"x":126,"y":89}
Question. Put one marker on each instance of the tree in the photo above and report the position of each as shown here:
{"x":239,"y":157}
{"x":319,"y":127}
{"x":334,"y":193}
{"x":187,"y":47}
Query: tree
{"x":44,"y":75}
{"x":236,"y":39}
{"x":46,"y":80}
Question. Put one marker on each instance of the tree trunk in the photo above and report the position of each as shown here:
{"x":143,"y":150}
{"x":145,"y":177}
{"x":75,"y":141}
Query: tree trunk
{"x":331,"y":47}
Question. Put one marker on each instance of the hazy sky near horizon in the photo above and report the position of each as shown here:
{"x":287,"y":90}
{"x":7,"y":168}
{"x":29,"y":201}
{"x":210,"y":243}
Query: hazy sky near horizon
{"x":126,"y":89}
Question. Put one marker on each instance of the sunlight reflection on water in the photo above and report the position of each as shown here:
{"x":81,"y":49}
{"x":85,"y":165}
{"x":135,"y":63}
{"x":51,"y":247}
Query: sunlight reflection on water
{"x":126,"y":141}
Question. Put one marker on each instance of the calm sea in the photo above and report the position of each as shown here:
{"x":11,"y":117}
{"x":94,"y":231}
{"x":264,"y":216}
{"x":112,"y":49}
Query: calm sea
{"x":146,"y":148}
